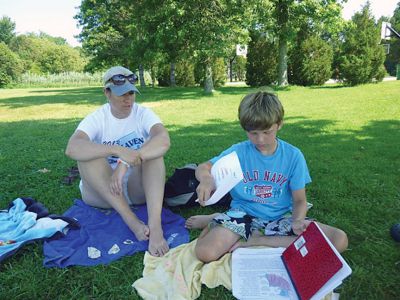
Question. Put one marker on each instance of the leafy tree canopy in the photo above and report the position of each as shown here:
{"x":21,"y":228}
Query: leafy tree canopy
{"x":41,"y":54}
{"x":10,"y":65}
{"x":7,"y":30}
{"x":362,"y":55}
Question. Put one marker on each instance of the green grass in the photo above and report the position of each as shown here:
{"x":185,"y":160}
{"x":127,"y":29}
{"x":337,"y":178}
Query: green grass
{"x":350,"y":137}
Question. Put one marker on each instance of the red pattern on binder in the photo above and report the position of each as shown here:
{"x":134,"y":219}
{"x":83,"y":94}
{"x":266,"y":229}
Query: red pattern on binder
{"x":310,"y":262}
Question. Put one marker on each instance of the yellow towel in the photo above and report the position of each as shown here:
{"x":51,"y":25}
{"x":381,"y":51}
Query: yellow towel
{"x":179,"y":274}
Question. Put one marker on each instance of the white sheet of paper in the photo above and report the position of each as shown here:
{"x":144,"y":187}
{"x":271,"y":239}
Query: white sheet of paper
{"x":226,"y":173}
{"x":259,"y":273}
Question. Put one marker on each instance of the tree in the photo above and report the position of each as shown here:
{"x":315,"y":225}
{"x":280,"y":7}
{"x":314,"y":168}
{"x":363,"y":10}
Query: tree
{"x":211,"y":28}
{"x":282,"y":18}
{"x":289,"y":15}
{"x":205,"y":30}
{"x":112,"y":33}
{"x":10,"y":65}
{"x":162,"y":30}
{"x":108,"y":32}
{"x":60,"y":58}
{"x":29,"y":49}
{"x":7,"y":30}
{"x":56,"y":40}
{"x":362,"y":55}
{"x":41,"y":55}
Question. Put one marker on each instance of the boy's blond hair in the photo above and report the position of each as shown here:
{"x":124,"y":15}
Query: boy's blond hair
{"x":259,"y":111}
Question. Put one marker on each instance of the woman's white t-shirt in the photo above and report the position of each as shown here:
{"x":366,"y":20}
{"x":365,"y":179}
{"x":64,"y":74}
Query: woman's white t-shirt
{"x":132,"y":132}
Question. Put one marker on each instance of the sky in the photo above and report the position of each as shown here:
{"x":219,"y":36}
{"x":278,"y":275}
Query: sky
{"x":55,"y":17}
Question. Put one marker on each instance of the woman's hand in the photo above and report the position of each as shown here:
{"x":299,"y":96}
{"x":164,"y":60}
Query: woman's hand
{"x":132,"y":157}
{"x":116,"y":185}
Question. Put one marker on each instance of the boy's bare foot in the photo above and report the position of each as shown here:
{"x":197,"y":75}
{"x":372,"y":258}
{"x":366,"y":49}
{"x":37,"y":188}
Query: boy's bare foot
{"x":158,"y":246}
{"x":199,"y":221}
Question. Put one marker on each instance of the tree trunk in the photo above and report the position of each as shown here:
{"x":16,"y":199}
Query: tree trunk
{"x":172,"y":81}
{"x":208,"y":82}
{"x":231,"y":68}
{"x":153,"y":76}
{"x":141,"y":76}
{"x":282,"y":63}
{"x":282,"y":18}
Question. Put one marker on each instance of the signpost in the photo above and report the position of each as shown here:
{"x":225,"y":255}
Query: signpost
{"x":386,"y":32}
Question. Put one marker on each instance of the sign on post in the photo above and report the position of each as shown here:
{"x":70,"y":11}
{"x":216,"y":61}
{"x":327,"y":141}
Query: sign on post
{"x":241,"y":50}
{"x":385,"y":31}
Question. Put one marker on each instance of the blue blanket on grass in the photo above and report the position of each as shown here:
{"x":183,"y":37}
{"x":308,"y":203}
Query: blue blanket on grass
{"x":105,"y":237}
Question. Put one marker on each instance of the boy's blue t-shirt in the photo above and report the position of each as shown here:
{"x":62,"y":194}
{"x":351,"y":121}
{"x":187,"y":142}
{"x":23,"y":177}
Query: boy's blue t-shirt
{"x":266,"y":189}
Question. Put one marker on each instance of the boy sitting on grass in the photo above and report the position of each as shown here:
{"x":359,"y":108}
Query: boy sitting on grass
{"x":275,"y":175}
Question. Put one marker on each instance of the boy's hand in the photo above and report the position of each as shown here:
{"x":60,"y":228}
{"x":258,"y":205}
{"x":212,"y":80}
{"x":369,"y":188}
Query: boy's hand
{"x":299,"y":226}
{"x":205,"y":189}
{"x":117,"y":179}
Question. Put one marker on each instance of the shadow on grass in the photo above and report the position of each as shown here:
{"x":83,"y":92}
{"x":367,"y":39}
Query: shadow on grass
{"x":232,"y":90}
{"x":333,"y":86}
{"x":199,"y":143}
{"x":95,"y":96}
{"x":73,"y":96}
{"x":347,"y":157}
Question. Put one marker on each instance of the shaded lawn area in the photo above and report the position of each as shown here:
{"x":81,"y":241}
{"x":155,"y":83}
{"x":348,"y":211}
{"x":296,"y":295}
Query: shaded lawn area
{"x":350,"y":137}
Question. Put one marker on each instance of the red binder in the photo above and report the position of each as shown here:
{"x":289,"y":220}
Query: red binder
{"x":311,"y":262}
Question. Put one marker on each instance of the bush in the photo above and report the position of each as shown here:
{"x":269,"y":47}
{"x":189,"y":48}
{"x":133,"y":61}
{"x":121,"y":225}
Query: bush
{"x":163,"y":75}
{"x":362,"y":55}
{"x":184,"y":73}
{"x":355,"y":69}
{"x":10,"y":65}
{"x":262,"y":63}
{"x":239,"y":68}
{"x":218,"y":72}
{"x":310,"y":62}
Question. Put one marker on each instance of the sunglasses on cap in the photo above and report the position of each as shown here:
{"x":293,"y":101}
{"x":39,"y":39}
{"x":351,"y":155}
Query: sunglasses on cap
{"x":119,"y":79}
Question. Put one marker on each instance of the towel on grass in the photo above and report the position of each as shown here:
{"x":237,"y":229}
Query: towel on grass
{"x":104,"y":237}
{"x":179,"y":274}
{"x":24,"y":222}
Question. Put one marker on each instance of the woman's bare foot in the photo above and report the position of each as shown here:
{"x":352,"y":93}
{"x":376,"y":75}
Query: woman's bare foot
{"x":158,"y":246}
{"x":199,"y":221}
{"x":140,"y":230}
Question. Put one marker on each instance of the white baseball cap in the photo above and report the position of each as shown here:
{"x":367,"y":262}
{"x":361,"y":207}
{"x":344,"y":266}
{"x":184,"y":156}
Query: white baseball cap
{"x":122,"y":89}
